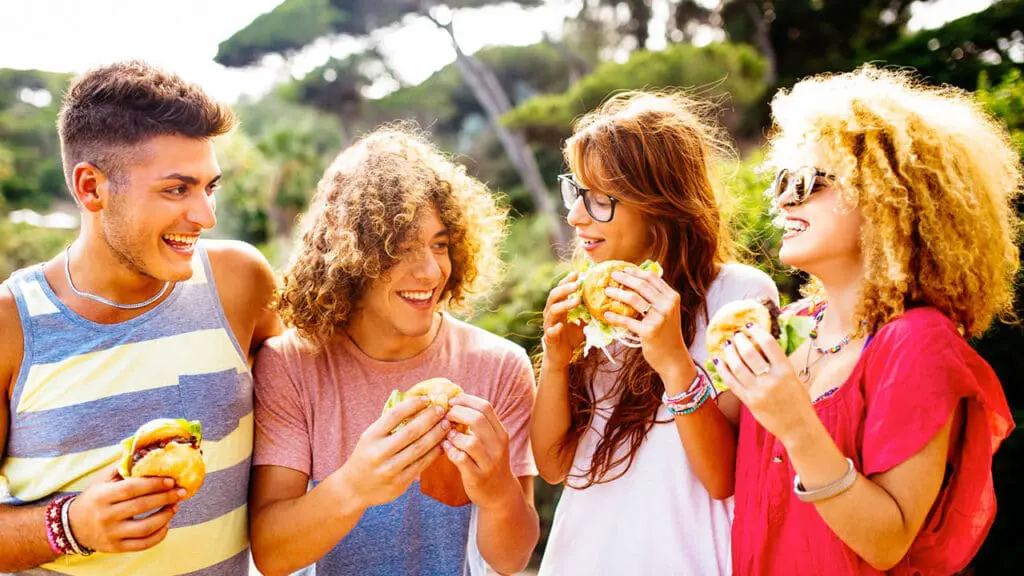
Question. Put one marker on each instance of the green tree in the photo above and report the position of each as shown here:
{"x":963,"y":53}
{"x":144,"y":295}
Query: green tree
{"x":715,"y":71}
{"x":360,"y":19}
{"x":955,"y":53}
{"x":1001,"y":347}
{"x":30,"y":167}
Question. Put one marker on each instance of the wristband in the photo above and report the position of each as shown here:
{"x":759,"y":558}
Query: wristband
{"x":830,"y":490}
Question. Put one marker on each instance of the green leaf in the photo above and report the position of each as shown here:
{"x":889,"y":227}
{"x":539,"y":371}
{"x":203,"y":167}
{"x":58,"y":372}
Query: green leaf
{"x":795,"y":330}
{"x":652,"y":266}
{"x":195,"y":428}
{"x":712,"y":371}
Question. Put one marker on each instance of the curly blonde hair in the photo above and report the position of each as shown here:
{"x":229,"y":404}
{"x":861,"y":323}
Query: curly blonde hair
{"x":935,"y":178}
{"x":365,"y":208}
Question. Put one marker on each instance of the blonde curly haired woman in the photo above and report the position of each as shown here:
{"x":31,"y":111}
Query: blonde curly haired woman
{"x":869,"y":449}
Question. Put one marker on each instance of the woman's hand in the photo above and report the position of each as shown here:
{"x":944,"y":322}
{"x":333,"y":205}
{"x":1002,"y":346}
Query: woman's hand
{"x":762,"y":377}
{"x":560,"y":337}
{"x":659,"y":326}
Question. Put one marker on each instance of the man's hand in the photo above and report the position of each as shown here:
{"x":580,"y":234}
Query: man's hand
{"x":102,"y":517}
{"x":384,"y":465}
{"x":482,"y":456}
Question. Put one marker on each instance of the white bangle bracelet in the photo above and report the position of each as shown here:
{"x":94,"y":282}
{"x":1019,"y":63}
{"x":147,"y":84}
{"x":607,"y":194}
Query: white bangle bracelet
{"x":832,"y":489}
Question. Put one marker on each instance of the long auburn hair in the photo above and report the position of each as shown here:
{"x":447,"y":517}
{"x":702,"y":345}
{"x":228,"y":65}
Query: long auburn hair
{"x":651,"y":151}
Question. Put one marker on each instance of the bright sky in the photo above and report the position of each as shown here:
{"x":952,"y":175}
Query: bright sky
{"x":182,"y":36}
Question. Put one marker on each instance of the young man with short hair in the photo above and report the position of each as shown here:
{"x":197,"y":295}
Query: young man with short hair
{"x":138,"y":319}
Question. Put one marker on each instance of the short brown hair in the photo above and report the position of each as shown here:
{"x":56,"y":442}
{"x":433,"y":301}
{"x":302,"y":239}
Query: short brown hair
{"x":112,"y":108}
{"x":366,"y":206}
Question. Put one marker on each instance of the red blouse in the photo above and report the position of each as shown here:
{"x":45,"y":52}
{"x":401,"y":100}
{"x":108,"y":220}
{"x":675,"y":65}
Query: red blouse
{"x":909,"y":379}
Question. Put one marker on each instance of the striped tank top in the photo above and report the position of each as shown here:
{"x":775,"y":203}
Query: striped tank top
{"x":84,"y":386}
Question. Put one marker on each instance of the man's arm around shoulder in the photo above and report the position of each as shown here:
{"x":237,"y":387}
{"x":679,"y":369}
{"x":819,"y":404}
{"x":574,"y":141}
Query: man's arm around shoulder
{"x":246,"y":285}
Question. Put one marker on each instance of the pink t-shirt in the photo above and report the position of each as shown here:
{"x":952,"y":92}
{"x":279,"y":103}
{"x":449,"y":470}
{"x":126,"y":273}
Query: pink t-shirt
{"x":910,"y":378}
{"x":312,"y":408}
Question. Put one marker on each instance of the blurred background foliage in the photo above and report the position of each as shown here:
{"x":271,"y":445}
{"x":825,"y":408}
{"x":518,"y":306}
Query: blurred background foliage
{"x":504,"y":111}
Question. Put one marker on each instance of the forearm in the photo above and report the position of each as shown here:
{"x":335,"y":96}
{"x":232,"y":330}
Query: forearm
{"x":865,"y":517}
{"x":507,"y":534}
{"x":290,"y":534}
{"x":550,"y":423}
{"x":23,"y":543}
{"x":708,"y":438}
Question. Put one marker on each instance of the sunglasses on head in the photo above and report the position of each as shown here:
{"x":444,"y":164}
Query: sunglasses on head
{"x":797,"y":185}
{"x":600,"y":206}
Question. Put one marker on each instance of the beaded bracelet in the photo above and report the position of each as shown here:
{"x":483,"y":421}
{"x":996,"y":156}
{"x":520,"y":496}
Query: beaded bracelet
{"x":58,"y":528}
{"x":693,"y":406}
{"x":693,"y":398}
{"x":78,"y":548}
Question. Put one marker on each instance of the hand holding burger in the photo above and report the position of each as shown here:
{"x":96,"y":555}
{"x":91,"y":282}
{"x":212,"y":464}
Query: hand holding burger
{"x":166,"y":448}
{"x":441,"y":480}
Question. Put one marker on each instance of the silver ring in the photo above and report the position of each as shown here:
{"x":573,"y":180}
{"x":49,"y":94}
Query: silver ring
{"x":766,"y":370}
{"x":646,"y":310}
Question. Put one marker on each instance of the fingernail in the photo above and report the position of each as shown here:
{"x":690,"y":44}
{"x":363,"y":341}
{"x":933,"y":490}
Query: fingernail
{"x":750,"y":325}
{"x":439,"y":410}
{"x":451,"y":434}
{"x":447,"y":445}
{"x":446,"y":424}
{"x":728,"y":343}
{"x":168,"y":482}
{"x":181,"y":492}
{"x":715,"y":360}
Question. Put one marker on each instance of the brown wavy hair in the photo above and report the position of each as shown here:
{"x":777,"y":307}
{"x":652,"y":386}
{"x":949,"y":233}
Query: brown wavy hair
{"x":651,"y":151}
{"x":935,"y":177}
{"x":365,"y":208}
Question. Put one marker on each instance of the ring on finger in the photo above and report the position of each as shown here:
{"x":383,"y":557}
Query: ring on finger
{"x":763,"y":371}
{"x":646,"y":310}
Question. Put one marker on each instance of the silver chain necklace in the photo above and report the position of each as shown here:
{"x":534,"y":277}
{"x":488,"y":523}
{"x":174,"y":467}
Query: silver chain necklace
{"x":102,"y":300}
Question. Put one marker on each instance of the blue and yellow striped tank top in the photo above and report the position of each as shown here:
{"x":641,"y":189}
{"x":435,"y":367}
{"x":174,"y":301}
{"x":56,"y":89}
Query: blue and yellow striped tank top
{"x":84,"y":386}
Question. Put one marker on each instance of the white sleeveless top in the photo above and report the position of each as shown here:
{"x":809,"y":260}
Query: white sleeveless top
{"x":657,"y":518}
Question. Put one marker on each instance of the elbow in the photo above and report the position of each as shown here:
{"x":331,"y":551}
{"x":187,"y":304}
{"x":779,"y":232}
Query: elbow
{"x":268,"y":565}
{"x":722,"y":492}
{"x":720,"y":486}
{"x":263,"y":557}
{"x":550,"y":469}
{"x":886,"y":557}
{"x":550,"y":474}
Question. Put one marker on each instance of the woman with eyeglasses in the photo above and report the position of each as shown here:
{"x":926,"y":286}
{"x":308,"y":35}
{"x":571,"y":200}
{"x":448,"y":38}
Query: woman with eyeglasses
{"x":645,"y":448}
{"x":869,"y":449}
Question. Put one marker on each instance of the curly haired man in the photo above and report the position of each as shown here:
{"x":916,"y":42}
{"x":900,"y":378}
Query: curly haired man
{"x":396,"y":236}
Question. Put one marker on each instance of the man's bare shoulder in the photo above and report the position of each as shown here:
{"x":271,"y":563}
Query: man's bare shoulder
{"x":12,"y":344}
{"x":241,"y":265}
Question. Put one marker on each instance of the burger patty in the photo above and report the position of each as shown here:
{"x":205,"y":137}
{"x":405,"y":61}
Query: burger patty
{"x":140,"y":452}
{"x":773,"y":312}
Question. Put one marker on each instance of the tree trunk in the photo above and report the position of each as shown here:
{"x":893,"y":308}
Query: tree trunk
{"x":764,"y":43}
{"x":495,"y":102}
{"x":578,"y":65}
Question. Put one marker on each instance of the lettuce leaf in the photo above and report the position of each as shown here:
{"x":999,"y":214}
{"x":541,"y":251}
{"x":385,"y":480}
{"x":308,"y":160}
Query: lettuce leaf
{"x":716,"y":379}
{"x":597,"y":334}
{"x":795,"y":331}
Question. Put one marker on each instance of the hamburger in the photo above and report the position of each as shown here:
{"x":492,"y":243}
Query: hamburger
{"x":442,"y":480}
{"x":788,"y":329}
{"x":168,"y":448}
{"x":594,"y":304}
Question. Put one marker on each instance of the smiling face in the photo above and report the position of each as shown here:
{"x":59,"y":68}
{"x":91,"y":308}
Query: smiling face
{"x":822,"y":233}
{"x":152,"y":217}
{"x":402,"y":303}
{"x":626,"y":237}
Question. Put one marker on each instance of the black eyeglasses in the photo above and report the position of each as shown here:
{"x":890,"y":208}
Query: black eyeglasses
{"x":599,"y":205}
{"x":803,"y":182}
